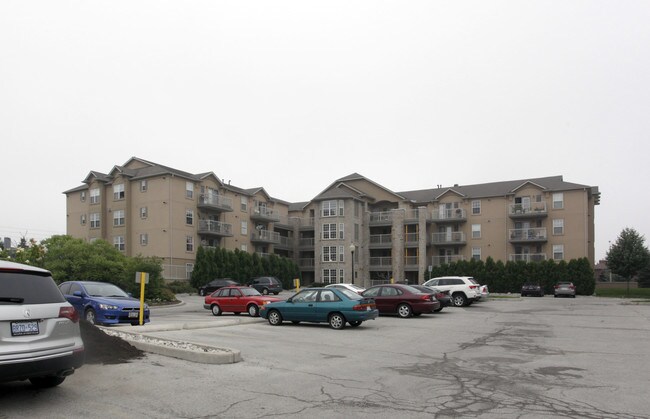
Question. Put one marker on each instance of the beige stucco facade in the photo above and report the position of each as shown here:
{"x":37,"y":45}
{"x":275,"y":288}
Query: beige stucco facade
{"x":151,"y":210}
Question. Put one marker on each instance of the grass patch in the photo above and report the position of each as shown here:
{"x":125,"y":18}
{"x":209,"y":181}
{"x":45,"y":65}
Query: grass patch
{"x":623,"y":292}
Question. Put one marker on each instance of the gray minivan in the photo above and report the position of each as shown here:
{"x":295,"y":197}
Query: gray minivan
{"x":267,"y":285}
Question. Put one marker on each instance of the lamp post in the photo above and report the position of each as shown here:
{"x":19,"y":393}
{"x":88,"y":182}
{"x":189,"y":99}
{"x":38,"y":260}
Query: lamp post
{"x":352,"y":249}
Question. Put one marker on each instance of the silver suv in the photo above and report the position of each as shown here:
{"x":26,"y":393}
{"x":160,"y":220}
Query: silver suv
{"x":464,"y":290}
{"x":40,"y":338}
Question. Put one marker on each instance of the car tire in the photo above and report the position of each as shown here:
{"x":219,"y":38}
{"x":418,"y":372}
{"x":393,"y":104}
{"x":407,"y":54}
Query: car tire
{"x":438,"y":310}
{"x":253,"y":310}
{"x":337,"y":321}
{"x":275,"y":318}
{"x":355,"y":323}
{"x":90,"y":316}
{"x":459,"y":299}
{"x":45,"y":382}
{"x":404,"y":310}
{"x":216,"y":310}
{"x":265,"y":291}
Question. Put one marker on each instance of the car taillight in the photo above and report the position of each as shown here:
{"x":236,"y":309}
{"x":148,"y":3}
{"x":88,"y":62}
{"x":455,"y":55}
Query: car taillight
{"x":69,"y":313}
{"x":473,"y":286}
{"x":426,"y":297}
{"x":363,"y":307}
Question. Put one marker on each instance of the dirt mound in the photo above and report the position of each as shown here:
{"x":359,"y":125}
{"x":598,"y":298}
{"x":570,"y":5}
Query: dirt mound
{"x":104,"y":349}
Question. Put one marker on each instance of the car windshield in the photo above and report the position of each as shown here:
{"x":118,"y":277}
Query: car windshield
{"x":350,"y":294}
{"x":105,"y":290}
{"x":411,"y":289}
{"x":249,"y":291}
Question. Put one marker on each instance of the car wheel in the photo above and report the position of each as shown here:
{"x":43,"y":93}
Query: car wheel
{"x":438,"y":310}
{"x":355,"y":324}
{"x":45,"y":382}
{"x":253,"y":310}
{"x":337,"y":321}
{"x":404,"y":311}
{"x":275,"y":318}
{"x":459,"y":300}
{"x":265,"y":291}
{"x":216,"y":310}
{"x":90,"y":316}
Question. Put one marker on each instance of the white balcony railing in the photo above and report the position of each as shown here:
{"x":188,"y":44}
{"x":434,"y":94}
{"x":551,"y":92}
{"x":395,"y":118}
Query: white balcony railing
{"x":527,"y":234}
{"x":448,"y":237}
{"x":439,"y":260}
{"x":449,"y":214}
{"x":534,"y":208}
{"x":380,"y":239}
{"x":215,"y":201}
{"x":266,"y":236}
{"x":215,"y":227}
{"x":527,"y":257}
{"x":381,"y":261}
{"x":381,"y":217}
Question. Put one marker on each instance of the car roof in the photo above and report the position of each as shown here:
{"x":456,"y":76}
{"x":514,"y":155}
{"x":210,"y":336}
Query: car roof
{"x":5,"y":264}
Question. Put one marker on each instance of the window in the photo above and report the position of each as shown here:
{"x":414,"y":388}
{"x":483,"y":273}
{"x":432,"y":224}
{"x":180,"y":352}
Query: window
{"x":558,"y":227}
{"x":94,"y":196}
{"x":329,"y":253}
{"x":356,"y":209}
{"x":143,"y":186}
{"x":341,"y":228}
{"x":189,"y":267}
{"x":328,"y":209}
{"x":82,"y":196}
{"x":341,"y":275}
{"x":341,"y":209}
{"x":476,"y":207}
{"x":329,"y":231}
{"x":118,"y":242}
{"x":476,"y":231}
{"x":329,"y":276}
{"x":244,"y":228}
{"x":189,"y":190}
{"x":558,"y":251}
{"x":244,"y":203}
{"x":94,"y":220}
{"x":118,"y":218}
{"x":144,"y":212}
{"x":341,"y":253}
{"x":476,"y":253}
{"x":243,"y":248}
{"x":189,"y":243}
{"x":83,"y":219}
{"x":118,"y":192}
{"x":558,"y":200}
{"x":144,"y":239}
{"x":189,"y":217}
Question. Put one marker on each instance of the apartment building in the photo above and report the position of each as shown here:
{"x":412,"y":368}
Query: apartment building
{"x":354,"y":231}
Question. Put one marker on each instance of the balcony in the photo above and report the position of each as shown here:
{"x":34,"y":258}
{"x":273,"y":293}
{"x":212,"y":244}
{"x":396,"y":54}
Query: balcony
{"x":378,"y":241}
{"x":307,"y":223}
{"x":216,"y":203}
{"x":412,"y":216}
{"x":527,"y":257}
{"x":456,"y":215}
{"x":410,"y":262}
{"x":260,"y":213}
{"x":447,"y":259}
{"x":528,"y":235}
{"x":383,"y":261}
{"x":306,"y":242}
{"x":285,"y":242}
{"x":306,"y":263}
{"x":412,"y":239}
{"x":214,"y":228}
{"x":381,"y":218}
{"x":534,"y":210}
{"x":265,"y":236}
{"x":452,"y":238}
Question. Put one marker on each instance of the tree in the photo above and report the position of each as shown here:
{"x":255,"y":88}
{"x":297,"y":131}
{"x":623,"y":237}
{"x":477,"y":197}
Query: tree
{"x":629,"y":255}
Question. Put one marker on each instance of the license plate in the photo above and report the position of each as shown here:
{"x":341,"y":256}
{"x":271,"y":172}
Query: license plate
{"x":24,"y":328}
{"x":133,"y":314}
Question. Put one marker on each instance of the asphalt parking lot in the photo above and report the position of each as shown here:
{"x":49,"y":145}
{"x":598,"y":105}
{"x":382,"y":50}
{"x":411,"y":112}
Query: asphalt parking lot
{"x":502,"y":358}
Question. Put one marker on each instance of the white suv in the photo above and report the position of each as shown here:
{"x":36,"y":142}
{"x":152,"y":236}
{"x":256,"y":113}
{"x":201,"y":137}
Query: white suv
{"x":464,"y":290}
{"x":40,"y":338}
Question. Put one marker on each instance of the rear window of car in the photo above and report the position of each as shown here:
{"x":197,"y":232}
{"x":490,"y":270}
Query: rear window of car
{"x":28,"y":288}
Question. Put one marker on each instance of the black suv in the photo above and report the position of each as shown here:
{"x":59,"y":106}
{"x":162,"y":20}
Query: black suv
{"x":267,"y":285}
{"x":215,"y":284}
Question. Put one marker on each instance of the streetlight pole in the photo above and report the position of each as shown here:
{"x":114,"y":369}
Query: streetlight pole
{"x":352,"y":249}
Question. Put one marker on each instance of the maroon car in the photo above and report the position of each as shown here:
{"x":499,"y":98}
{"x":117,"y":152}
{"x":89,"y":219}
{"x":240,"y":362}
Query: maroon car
{"x":404,"y":300}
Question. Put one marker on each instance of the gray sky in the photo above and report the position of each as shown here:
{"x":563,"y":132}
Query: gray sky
{"x":292,"y":95}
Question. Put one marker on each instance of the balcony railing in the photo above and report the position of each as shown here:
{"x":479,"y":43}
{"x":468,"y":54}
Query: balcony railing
{"x":527,"y":234}
{"x":447,"y":259}
{"x":306,"y":242}
{"x":307,"y":223}
{"x":527,"y":257}
{"x":381,"y":261}
{"x":380,"y":240}
{"x":306,"y":262}
{"x":410,"y":260}
{"x":455,"y":237}
{"x":261,"y":213}
{"x":215,"y":202}
{"x":535,"y":209}
{"x":216,"y":228}
{"x":383,"y":217}
{"x":412,"y":238}
{"x":265,"y":236}
{"x":449,"y":215}
{"x":413,"y":215}
{"x":285,"y":241}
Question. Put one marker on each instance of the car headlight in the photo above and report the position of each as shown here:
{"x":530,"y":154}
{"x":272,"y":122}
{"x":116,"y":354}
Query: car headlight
{"x":107,"y":307}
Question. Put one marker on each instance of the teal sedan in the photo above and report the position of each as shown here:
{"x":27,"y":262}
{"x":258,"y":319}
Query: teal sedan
{"x":322,"y":305}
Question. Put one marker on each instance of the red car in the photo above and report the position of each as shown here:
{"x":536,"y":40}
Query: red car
{"x":402,"y":299}
{"x":235,"y":299}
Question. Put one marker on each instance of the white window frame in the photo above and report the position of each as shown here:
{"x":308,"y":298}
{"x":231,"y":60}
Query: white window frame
{"x":340,"y":208}
{"x":558,"y":252}
{"x":476,"y":207}
{"x":244,"y":248}
{"x":476,"y":253}
{"x":244,"y":228}
{"x":329,"y":231}
{"x":341,"y":277}
{"x":341,"y":231}
{"x":329,"y":276}
{"x":118,"y":192}
{"x":244,"y":204}
{"x":341,"y":253}
{"x":119,"y":218}
{"x":82,"y":196}
{"x":95,"y":196}
{"x":119,"y":243}
{"x":189,"y":243}
{"x":558,"y":200}
{"x":144,"y":239}
{"x":189,"y":190}
{"x":82,"y":219}
{"x":144,"y":186}
{"x":329,"y":254}
{"x":329,"y":208}
{"x":476,"y":231}
{"x":558,"y":227}
{"x":189,"y":217}
{"x":95,"y":220}
{"x":144,"y":212}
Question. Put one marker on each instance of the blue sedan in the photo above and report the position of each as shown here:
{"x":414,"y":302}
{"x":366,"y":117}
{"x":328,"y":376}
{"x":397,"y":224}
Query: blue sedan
{"x":318,"y":305}
{"x":103,"y":303}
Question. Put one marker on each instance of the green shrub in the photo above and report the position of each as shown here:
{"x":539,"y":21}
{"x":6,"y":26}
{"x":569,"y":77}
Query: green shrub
{"x":181,"y":287}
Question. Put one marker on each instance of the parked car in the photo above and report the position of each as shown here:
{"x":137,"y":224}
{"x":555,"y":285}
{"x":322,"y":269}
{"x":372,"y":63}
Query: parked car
{"x":564,"y":289}
{"x":215,"y":284}
{"x":443,"y":297}
{"x":400,"y":299}
{"x":332,"y":305}
{"x":463,"y":289}
{"x":40,"y":339}
{"x":532,"y":289}
{"x":236,"y":299}
{"x":485,"y":292}
{"x":351,"y":287}
{"x":267,"y":285}
{"x":103,"y":303}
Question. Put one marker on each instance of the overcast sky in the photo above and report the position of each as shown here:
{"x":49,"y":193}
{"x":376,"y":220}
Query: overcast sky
{"x":292,"y":95}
